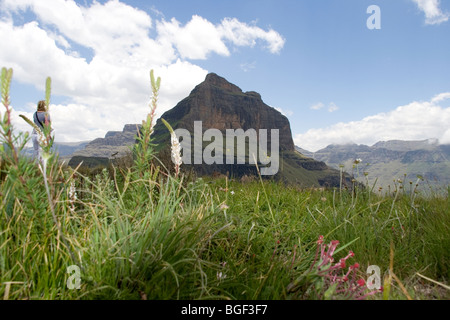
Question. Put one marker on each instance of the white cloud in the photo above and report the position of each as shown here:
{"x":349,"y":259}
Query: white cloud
{"x":102,"y":27}
{"x":441,"y":97}
{"x":433,"y":13}
{"x":111,"y":87}
{"x":286,"y":113}
{"x":332,"y":107}
{"x":415,"y":121}
{"x":247,"y":66}
{"x":195,"y":40}
{"x":317,"y":106}
{"x":199,"y":37}
{"x":241,"y":34}
{"x":445,"y":139}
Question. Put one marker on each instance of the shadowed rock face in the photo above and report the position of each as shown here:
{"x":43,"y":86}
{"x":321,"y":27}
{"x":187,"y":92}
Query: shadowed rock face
{"x":222,"y":105}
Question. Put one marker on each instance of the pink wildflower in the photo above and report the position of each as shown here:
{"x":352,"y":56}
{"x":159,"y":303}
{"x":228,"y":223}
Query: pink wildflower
{"x":336,"y":274}
{"x":320,"y":241}
{"x":355,"y":266}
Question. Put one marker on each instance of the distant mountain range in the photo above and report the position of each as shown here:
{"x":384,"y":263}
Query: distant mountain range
{"x":64,"y":149}
{"x":384,"y":162}
{"x":387,"y":161}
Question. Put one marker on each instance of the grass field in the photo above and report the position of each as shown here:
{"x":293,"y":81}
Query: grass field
{"x":172,"y":239}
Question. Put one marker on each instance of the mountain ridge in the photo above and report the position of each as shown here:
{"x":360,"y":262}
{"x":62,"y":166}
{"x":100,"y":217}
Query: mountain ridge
{"x":386,"y":161}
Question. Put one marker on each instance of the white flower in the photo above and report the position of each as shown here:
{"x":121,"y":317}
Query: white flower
{"x":221,"y":276}
{"x":175,"y":148}
{"x":72,"y":191}
{"x":176,"y":151}
{"x":232,"y":192}
{"x":72,"y":196}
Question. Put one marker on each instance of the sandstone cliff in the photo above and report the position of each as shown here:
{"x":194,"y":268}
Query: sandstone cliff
{"x":222,"y":105}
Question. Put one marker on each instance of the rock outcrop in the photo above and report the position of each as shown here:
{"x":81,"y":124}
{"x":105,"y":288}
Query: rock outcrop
{"x":114,"y":144}
{"x":222,"y":105}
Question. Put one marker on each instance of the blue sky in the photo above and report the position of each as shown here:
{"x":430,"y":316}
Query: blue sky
{"x":316,"y":61}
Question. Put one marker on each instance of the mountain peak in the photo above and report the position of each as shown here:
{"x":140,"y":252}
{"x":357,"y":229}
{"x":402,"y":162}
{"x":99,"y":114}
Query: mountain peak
{"x":219,"y":104}
{"x":222,"y":105}
{"x":213,"y":77}
{"x":217,"y":81}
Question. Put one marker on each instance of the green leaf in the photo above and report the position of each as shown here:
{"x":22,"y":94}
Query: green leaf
{"x":31,"y":123}
{"x":155,"y":84}
{"x":387,"y":287}
{"x":5,"y":85}
{"x":48,"y":89}
{"x":167,"y":125}
{"x":345,"y":246}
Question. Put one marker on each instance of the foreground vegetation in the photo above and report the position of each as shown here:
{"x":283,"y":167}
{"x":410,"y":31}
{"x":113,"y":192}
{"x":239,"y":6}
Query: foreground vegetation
{"x":142,"y":233}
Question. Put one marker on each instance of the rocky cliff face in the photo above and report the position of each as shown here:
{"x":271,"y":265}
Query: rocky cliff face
{"x":222,"y":105}
{"x":115,"y":144}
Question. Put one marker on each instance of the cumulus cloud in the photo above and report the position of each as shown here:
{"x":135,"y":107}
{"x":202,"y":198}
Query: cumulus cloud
{"x":195,"y":40}
{"x":415,"y":121}
{"x":199,"y":37}
{"x":433,"y":13}
{"x":242,"y":34}
{"x":109,"y":86}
